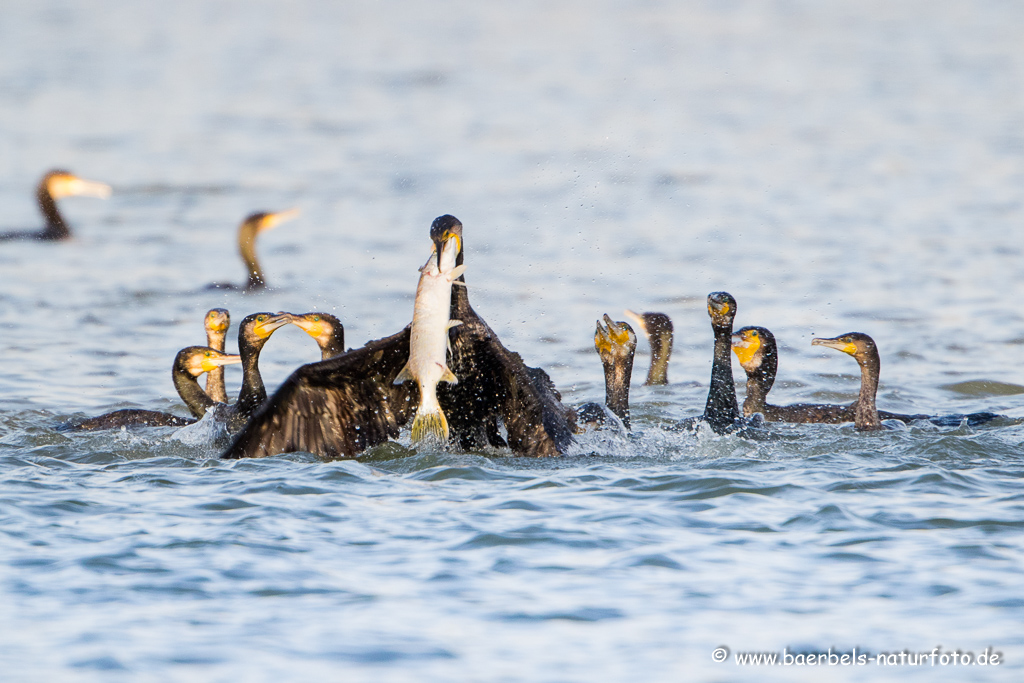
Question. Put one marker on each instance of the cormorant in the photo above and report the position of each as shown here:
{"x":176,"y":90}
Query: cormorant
{"x":54,"y":185}
{"x":216,"y":322}
{"x":253,"y":333}
{"x":657,"y":327}
{"x":863,"y":349}
{"x":722,"y":412}
{"x":189,"y":363}
{"x":326,"y":329}
{"x":866,"y":415}
{"x":344,"y":405}
{"x":616,"y":344}
{"x":250,"y":228}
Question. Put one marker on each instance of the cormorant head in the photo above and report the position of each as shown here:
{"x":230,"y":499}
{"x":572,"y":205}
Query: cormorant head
{"x":857,"y":344}
{"x":196,"y":360}
{"x":59,"y":183}
{"x":261,"y":221}
{"x":441,"y":230}
{"x":721,"y":308}
{"x":217,"y":321}
{"x":257,"y":328}
{"x":614,"y":340}
{"x":322,"y":327}
{"x":652,"y":325}
{"x":751,"y":345}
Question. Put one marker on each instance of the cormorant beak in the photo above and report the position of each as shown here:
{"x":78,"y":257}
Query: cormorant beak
{"x":440,"y":242}
{"x":637,"y":319}
{"x":265,"y":328}
{"x":213,"y":362}
{"x":718,"y":309}
{"x":314,"y":328}
{"x":217,"y":323}
{"x":73,"y":186}
{"x":745,"y":345}
{"x":272,"y":220}
{"x":615,"y":334}
{"x":837,"y":344}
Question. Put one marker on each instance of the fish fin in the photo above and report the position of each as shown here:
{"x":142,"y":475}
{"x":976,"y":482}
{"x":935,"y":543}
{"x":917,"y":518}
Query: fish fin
{"x":451,"y":324}
{"x":460,"y":283}
{"x":457,"y":272}
{"x":404,"y":376}
{"x":430,"y":425}
{"x":449,"y":376}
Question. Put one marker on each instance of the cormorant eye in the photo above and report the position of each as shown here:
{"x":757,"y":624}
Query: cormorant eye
{"x":261,"y":318}
{"x":316,"y":318}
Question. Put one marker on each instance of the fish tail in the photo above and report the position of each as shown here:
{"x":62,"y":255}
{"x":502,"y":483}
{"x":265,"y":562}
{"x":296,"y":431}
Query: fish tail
{"x":430,"y":426}
{"x":430,"y":422}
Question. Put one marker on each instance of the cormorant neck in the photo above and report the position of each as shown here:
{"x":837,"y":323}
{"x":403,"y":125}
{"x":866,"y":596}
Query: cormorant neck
{"x":661,"y":349}
{"x":617,"y":374}
{"x":722,"y":411}
{"x":215,"y":388}
{"x":866,"y":413}
{"x":460,"y":295}
{"x":334,"y":346}
{"x":56,"y":228}
{"x":247,"y":248}
{"x":190,"y":392}
{"x":760,"y":382}
{"x":253,"y":394}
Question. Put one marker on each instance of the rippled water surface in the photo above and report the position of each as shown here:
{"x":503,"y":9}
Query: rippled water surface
{"x":835,"y":166}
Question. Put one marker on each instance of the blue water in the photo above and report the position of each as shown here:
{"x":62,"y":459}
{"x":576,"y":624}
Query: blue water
{"x":836,"y":167}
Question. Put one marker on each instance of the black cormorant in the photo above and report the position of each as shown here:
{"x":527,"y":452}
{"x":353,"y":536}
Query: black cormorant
{"x":722,"y":412}
{"x":657,"y":327}
{"x":190,"y":362}
{"x":250,"y":228}
{"x":54,"y":185}
{"x":216,"y":322}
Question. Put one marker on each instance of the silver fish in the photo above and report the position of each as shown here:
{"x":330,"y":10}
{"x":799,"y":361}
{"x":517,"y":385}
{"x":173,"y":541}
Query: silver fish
{"x":428,"y":347}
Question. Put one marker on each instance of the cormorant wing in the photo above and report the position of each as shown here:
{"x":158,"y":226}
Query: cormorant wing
{"x":494,"y":382}
{"x":335,"y":408}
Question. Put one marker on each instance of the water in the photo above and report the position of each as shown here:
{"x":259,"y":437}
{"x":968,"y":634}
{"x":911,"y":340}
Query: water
{"x":838,"y":167}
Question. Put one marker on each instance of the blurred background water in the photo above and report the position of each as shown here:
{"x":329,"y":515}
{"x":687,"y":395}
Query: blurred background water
{"x":835,"y":166}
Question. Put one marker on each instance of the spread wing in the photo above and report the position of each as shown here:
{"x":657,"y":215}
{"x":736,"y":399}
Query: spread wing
{"x":495,"y":383}
{"x":335,"y":408}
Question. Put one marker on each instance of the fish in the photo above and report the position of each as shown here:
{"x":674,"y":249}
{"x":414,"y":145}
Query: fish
{"x":429,"y":344}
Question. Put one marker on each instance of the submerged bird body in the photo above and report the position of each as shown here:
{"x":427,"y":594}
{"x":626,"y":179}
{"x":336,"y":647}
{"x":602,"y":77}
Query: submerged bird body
{"x":757,"y":352}
{"x":189,"y":363}
{"x":428,"y":340}
{"x":863,"y":349}
{"x":756,"y":349}
{"x":53,"y":186}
